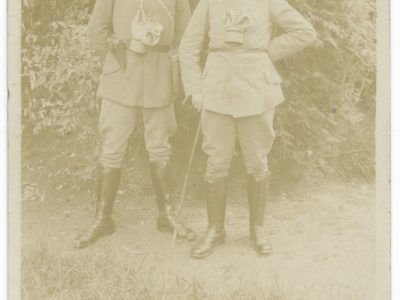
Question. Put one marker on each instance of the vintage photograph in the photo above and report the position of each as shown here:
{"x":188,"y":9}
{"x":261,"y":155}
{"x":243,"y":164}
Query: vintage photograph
{"x":200,"y":149}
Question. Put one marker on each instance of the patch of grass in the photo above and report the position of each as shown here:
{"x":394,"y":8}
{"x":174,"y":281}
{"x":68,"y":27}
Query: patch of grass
{"x":101,"y":275}
{"x":108,"y":274}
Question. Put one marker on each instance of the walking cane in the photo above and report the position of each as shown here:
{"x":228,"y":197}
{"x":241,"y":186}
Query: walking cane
{"x":186,"y":179}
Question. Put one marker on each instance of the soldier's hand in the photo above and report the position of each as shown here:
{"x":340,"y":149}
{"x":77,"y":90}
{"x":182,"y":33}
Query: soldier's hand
{"x":197,"y":101}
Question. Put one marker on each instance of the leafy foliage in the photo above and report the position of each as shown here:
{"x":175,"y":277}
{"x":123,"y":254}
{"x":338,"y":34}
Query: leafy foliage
{"x":326,"y":124}
{"x":59,"y":73}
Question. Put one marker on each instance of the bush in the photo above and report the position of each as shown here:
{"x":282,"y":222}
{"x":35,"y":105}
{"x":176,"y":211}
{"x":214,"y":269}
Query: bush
{"x":326,"y":124}
{"x":59,"y":71}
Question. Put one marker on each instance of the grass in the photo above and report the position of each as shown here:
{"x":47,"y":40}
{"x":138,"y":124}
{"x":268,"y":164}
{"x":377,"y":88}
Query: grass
{"x":101,"y":275}
{"x":109,"y":274}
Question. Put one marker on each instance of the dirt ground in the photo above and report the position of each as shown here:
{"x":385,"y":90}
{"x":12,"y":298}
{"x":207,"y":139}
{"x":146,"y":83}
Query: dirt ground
{"x":323,"y":237}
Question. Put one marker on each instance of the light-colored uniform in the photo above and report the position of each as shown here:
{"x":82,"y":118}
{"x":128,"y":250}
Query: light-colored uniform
{"x":146,"y":86}
{"x":240,"y":87}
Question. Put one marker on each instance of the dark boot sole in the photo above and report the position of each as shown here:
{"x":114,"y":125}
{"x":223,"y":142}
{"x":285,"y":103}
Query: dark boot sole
{"x":161,"y":227}
{"x":211,"y":250}
{"x":264,"y":253}
{"x":86,"y":243}
{"x":164,"y":227}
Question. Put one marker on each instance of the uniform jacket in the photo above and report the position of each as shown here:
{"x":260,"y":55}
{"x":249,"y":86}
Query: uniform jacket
{"x":147,"y":80}
{"x":241,"y":83}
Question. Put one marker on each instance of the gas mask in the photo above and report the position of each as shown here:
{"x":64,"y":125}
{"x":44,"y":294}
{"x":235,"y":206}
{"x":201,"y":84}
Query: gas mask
{"x":145,"y":33}
{"x":237,"y":21}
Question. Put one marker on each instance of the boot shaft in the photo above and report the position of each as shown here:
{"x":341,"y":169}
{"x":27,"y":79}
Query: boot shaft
{"x":161,"y":176}
{"x":257,"y":197}
{"x":216,"y":206}
{"x":216,"y":203}
{"x":108,"y":183}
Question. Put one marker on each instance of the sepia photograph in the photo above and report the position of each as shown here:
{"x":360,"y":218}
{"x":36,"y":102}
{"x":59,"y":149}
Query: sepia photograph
{"x":199,"y":149}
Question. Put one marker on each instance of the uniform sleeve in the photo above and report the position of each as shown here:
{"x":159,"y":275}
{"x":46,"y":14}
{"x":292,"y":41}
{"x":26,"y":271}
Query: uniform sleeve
{"x":183,"y":13}
{"x":191,"y":47}
{"x":100,"y":24}
{"x":299,"y":33}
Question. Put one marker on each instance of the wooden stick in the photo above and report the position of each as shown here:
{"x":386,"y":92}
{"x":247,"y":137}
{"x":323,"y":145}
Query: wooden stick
{"x":186,"y":180}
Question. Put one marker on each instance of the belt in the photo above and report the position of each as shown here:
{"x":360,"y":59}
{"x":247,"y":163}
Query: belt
{"x":238,"y":50}
{"x":158,"y":48}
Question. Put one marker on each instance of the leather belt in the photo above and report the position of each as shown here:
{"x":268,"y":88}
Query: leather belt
{"x":156,"y":48}
{"x":239,"y":50}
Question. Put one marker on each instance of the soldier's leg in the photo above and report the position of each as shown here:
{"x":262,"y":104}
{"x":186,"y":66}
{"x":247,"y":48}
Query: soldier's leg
{"x":116,"y":124}
{"x":218,"y":144}
{"x":256,"y":136}
{"x":160,"y":125}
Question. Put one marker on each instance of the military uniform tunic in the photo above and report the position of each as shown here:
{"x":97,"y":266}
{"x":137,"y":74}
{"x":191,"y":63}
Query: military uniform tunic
{"x":239,"y":84}
{"x":145,"y":87}
{"x":147,"y":80}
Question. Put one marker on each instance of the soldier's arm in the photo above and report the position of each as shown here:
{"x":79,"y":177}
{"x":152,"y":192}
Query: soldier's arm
{"x":183,"y":13}
{"x":100,"y":25}
{"x":299,"y":33}
{"x":191,"y":47}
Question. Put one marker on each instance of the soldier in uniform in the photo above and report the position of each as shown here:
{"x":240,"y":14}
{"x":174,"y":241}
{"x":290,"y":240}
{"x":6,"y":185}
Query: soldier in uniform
{"x":139,"y":38}
{"x":237,"y":92}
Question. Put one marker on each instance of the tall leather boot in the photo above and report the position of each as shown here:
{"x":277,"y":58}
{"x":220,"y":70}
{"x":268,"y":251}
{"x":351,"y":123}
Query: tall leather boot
{"x":108,"y":181}
{"x":163,"y":186}
{"x":216,"y":206}
{"x":257,"y":196}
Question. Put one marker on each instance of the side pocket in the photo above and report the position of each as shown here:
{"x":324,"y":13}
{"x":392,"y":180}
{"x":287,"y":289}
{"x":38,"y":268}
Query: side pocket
{"x":273,"y":88}
{"x":272,"y":77}
{"x":111,"y":65}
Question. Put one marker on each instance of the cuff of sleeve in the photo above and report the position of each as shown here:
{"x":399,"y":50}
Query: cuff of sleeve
{"x":191,"y":90}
